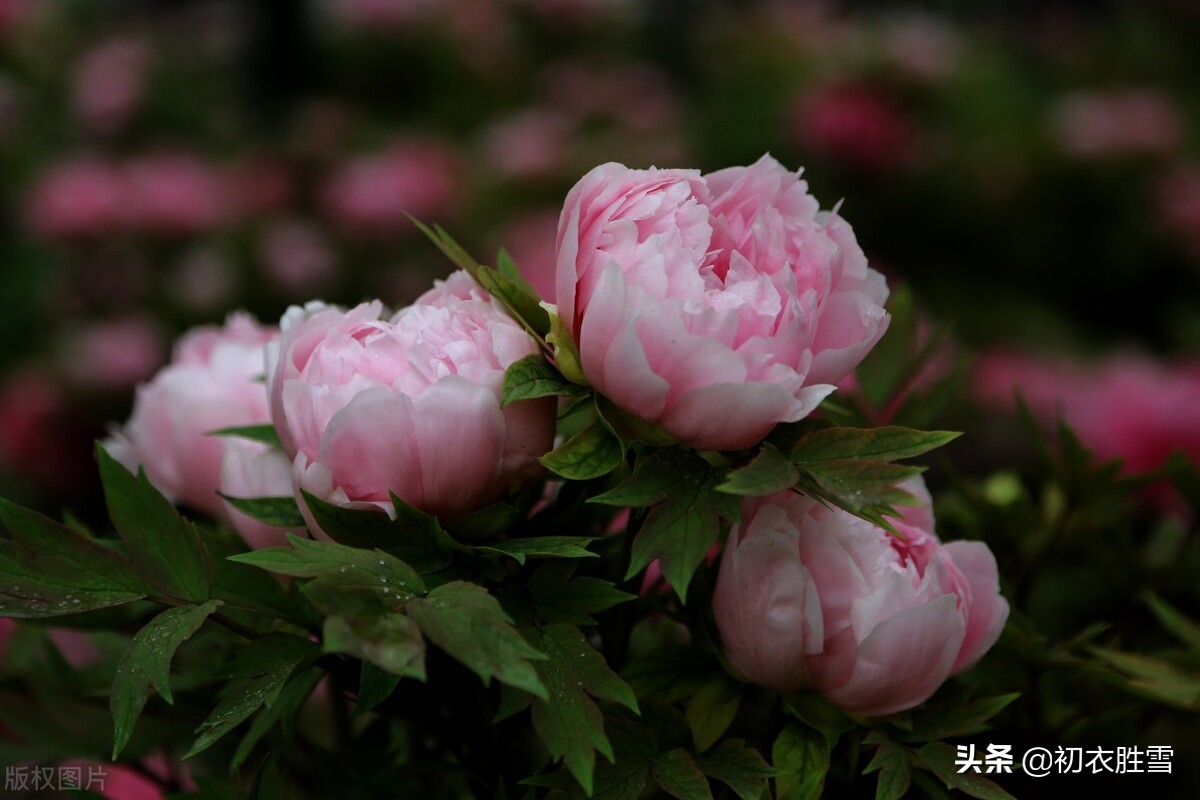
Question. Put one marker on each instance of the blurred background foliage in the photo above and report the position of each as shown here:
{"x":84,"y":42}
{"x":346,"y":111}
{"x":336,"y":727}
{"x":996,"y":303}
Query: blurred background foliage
{"x":1030,"y":170}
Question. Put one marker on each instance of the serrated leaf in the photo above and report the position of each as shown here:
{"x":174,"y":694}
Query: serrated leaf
{"x":469,"y":624}
{"x":895,"y":771}
{"x":257,"y":433}
{"x":568,"y":721}
{"x":877,"y":444}
{"x":593,"y":452}
{"x":677,"y":774}
{"x":146,"y":666}
{"x":282,"y":713}
{"x":532,"y":377}
{"x":818,"y":713}
{"x":336,"y":565}
{"x":391,"y":642}
{"x":801,"y":756}
{"x":768,"y":472}
{"x":541,"y":547}
{"x":556,"y":595}
{"x":712,"y":710}
{"x":375,"y":685}
{"x":739,"y":767}
{"x":164,"y":548}
{"x":265,"y":666}
{"x":948,"y":720}
{"x":244,"y":587}
{"x":524,"y":306}
{"x":669,"y":674}
{"x":278,"y":511}
{"x":940,"y":757}
{"x":50,"y":570}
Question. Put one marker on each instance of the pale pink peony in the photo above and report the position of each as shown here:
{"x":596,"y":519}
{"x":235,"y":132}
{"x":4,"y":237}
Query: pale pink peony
{"x":113,"y":353}
{"x":82,"y":197}
{"x":252,"y":469}
{"x":368,"y":404}
{"x":213,"y":382}
{"x":814,"y":598}
{"x":714,"y":305}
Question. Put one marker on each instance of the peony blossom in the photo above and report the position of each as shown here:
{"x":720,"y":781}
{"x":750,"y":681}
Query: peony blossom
{"x":714,"y":305}
{"x":213,"y":381}
{"x":368,"y":404}
{"x":856,"y":124}
{"x":814,"y":598}
{"x":78,"y":198}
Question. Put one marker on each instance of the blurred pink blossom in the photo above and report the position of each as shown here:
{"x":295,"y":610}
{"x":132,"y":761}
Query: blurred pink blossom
{"x":1177,"y":196}
{"x":530,"y":240}
{"x":530,"y":145}
{"x":922,"y":46}
{"x":260,"y":185}
{"x":81,"y":197}
{"x":175,"y":193}
{"x":1116,"y":122}
{"x":375,"y":14}
{"x":116,"y":781}
{"x":202,"y":280}
{"x":296,"y":257}
{"x":372,"y":194}
{"x":113,"y":354}
{"x":856,"y":124}
{"x":109,"y":82}
{"x":1129,"y":407}
{"x":14,"y":14}
{"x":39,"y":437}
{"x":75,"y":646}
{"x":600,"y":90}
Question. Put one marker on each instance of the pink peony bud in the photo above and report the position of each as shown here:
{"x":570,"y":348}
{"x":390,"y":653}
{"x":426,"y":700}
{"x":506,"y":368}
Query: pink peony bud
{"x":368,"y":404}
{"x":213,"y":382}
{"x":714,"y":305}
{"x":813,"y":598}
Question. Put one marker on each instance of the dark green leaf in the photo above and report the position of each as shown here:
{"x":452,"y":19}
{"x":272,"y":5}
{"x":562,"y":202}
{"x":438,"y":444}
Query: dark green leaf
{"x":374,"y":686}
{"x":468,"y":623}
{"x":591,"y":453}
{"x":164,"y":548}
{"x":146,"y":666}
{"x":450,"y":248}
{"x":629,"y":428}
{"x":1155,"y":677}
{"x":878,"y":444}
{"x":711,"y":710}
{"x":389,"y":641}
{"x":739,"y":767}
{"x":669,"y":674}
{"x":557,"y":596}
{"x":677,"y":774}
{"x":819,"y":714}
{"x":278,"y":511}
{"x":50,"y":570}
{"x":258,"y":433}
{"x":532,"y":377}
{"x":265,"y":667}
{"x":801,"y":756}
{"x":282,"y":713}
{"x":953,"y":719}
{"x":895,"y":771}
{"x":571,"y":724}
{"x":939,"y":757}
{"x":542,"y":547}
{"x":769,"y":472}
{"x":1185,"y":630}
{"x":244,"y":587}
{"x":524,"y":306}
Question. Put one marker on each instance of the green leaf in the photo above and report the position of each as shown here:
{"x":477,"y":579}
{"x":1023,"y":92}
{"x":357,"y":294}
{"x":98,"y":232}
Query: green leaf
{"x":669,"y":674}
{"x":164,"y":548}
{"x":335,"y":565}
{"x":739,"y":767}
{"x":686,"y":524}
{"x":450,"y":248}
{"x":818,"y":713}
{"x":258,"y":433}
{"x":953,"y":719}
{"x":146,"y":666}
{"x":1155,"y":678}
{"x":629,"y":428}
{"x":566,"y":354}
{"x":508,"y":267}
{"x":265,"y":667}
{"x":532,"y":377}
{"x":50,"y":570}
{"x":558,"y":596}
{"x":591,"y":453}
{"x":278,"y":511}
{"x":1185,"y":630}
{"x":801,"y":755}
{"x":244,"y":587}
{"x":375,"y":685}
{"x":542,"y":547}
{"x":712,"y":710}
{"x":571,"y":725}
{"x":861,"y":476}
{"x":895,"y":771}
{"x":468,"y":623}
{"x":391,"y":642}
{"x":939,"y":757}
{"x":879,"y":444}
{"x":677,"y":774}
{"x":523,"y":305}
{"x":282,"y":713}
{"x":769,"y":472}
{"x":882,"y":371}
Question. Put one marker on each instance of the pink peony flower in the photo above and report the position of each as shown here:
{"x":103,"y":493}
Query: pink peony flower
{"x":367,"y":404}
{"x":175,"y":194}
{"x":295,"y":257}
{"x":717,"y":305}
{"x":856,"y":124}
{"x":1117,"y":122}
{"x":813,"y":598}
{"x":372,"y":194}
{"x":251,"y":469}
{"x":108,"y":84}
{"x":79,"y":198}
{"x":531,"y":145}
{"x":113,"y":354}
{"x":213,"y":382}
